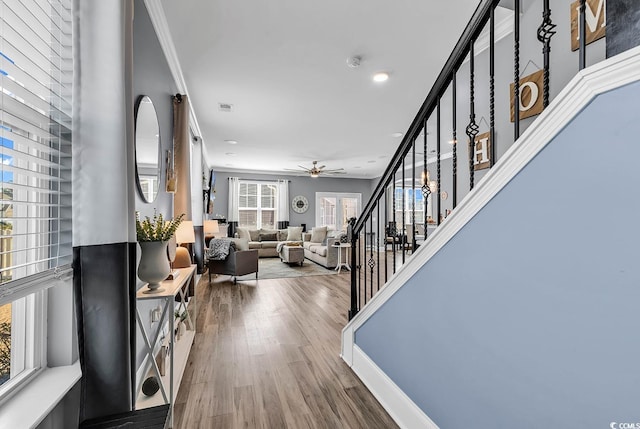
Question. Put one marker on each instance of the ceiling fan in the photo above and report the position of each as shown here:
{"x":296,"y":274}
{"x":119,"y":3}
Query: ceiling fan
{"x":316,"y":170}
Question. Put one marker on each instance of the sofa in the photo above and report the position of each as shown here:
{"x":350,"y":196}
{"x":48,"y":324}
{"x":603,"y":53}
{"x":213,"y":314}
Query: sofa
{"x":318,"y":246}
{"x":265,"y":241}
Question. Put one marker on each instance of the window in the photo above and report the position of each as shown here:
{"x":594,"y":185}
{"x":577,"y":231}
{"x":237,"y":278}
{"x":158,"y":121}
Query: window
{"x":35,"y":173}
{"x":257,"y":205}
{"x":409,"y":194}
{"x":333,"y":210}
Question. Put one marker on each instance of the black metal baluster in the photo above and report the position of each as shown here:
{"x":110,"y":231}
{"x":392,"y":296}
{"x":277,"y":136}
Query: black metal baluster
{"x":438,"y":177}
{"x":364,"y":269}
{"x":492,"y":85}
{"x":472,"y":128}
{"x":425,"y":181}
{"x":582,"y":22}
{"x":354,"y":271}
{"x":545,"y":33}
{"x":378,"y":245}
{"x":395,"y":224}
{"x":386,"y":233}
{"x":454,"y":158}
{"x":516,"y":71}
{"x":371,"y":262}
{"x":413,"y":196}
{"x":404,"y":216}
{"x":360,"y":272}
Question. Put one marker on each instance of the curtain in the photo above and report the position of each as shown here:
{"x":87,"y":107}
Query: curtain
{"x":283,"y":204}
{"x":233,"y":215}
{"x":182,"y":150}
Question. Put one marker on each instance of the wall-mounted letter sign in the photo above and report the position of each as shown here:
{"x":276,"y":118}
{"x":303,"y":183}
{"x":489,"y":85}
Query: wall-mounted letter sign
{"x":596,"y":16}
{"x":482,"y":151}
{"x":531,"y":88}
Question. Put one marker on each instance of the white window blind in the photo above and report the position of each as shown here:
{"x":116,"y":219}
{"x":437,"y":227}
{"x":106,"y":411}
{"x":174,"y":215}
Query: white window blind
{"x":35,"y":144}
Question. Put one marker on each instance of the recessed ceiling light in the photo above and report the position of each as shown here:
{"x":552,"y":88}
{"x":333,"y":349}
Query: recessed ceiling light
{"x":229,"y":165}
{"x":231,"y":154}
{"x":371,"y":162}
{"x":225,"y":107}
{"x":380,"y":77}
{"x":357,"y":166}
{"x":382,"y":156}
{"x":231,"y":141}
{"x":397,"y":135}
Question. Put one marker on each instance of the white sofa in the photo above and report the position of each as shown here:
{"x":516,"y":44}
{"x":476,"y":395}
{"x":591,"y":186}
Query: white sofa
{"x":322,"y":250}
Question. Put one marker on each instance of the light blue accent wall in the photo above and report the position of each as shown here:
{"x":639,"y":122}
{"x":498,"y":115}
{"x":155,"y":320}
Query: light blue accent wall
{"x":530,"y":316}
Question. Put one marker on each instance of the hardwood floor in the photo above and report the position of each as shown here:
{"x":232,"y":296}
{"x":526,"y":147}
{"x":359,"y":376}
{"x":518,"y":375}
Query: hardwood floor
{"x":266,"y":355}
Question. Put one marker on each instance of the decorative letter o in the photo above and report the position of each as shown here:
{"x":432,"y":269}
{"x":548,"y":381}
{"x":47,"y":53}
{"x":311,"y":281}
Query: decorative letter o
{"x":534,"y":96}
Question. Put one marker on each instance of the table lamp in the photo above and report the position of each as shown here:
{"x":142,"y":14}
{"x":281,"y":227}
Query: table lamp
{"x":184,"y":235}
{"x":211,"y":228}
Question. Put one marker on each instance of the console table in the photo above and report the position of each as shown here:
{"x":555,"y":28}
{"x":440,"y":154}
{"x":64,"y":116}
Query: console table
{"x":178,"y":351}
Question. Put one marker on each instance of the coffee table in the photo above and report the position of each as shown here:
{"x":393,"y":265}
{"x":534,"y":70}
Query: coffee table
{"x":292,"y":254}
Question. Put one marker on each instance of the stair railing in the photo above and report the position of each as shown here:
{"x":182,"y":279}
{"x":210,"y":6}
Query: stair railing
{"x":400,"y":213}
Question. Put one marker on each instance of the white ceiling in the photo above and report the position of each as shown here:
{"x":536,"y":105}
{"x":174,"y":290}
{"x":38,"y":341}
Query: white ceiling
{"x":282,"y":64}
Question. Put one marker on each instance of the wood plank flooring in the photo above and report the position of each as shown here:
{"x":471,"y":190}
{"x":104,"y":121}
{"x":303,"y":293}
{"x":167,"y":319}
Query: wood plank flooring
{"x":266,"y":355}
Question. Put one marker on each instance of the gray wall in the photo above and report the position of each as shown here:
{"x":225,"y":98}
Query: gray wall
{"x":527,"y":318}
{"x":152,"y":77}
{"x":299,"y":185}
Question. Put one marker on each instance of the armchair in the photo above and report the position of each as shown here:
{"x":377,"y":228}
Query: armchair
{"x":239,"y":262}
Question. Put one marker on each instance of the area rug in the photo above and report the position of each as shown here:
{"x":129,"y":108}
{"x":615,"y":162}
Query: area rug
{"x":274,"y":268}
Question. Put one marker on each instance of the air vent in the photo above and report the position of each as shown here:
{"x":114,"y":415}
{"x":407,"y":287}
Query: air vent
{"x":225,"y":107}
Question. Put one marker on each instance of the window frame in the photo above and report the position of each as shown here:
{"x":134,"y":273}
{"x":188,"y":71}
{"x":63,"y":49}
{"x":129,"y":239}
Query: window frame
{"x":259,"y":209}
{"x":339,"y":196}
{"x":29,"y":316}
{"x":37,"y":83}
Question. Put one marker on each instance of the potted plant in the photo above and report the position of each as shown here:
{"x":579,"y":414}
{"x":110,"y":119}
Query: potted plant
{"x":153,"y":236}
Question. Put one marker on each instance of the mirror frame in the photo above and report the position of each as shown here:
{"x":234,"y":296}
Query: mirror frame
{"x":159,"y":163}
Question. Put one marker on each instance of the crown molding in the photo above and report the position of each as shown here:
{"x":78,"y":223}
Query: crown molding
{"x":161,"y":27}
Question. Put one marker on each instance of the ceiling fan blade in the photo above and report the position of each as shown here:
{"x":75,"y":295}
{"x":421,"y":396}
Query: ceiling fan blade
{"x":304,"y":168}
{"x":321,"y":167}
{"x":333,"y":170}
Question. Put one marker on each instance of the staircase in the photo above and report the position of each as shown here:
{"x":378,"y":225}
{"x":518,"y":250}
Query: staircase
{"x":507,"y":312}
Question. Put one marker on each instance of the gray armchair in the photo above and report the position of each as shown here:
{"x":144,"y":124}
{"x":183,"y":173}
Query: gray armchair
{"x":240,"y":261}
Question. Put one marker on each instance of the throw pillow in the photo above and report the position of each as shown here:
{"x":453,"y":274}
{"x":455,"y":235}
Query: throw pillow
{"x":318,"y":234}
{"x":282,"y":234}
{"x":241,"y":243}
{"x":243,"y":233}
{"x":254,"y":235}
{"x":294,"y":233}
{"x":268,"y":237}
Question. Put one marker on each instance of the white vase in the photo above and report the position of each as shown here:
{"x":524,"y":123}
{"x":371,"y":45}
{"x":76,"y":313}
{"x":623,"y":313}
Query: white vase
{"x":154,"y":263}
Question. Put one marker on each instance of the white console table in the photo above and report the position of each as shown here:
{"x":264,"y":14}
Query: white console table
{"x":178,"y":351}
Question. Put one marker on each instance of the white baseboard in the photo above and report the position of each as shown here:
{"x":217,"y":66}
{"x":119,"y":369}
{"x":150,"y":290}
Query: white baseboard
{"x":399,"y":406}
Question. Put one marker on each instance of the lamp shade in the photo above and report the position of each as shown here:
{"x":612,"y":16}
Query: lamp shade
{"x":211,"y":227}
{"x":185,"y":233}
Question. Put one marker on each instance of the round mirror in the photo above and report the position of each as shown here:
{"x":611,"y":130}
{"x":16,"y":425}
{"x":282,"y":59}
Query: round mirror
{"x":147,"y":149}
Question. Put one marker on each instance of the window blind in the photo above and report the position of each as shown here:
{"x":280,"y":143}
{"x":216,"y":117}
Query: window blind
{"x":36,"y":76}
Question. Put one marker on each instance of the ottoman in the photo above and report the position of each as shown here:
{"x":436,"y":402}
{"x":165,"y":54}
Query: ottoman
{"x":292,"y":254}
